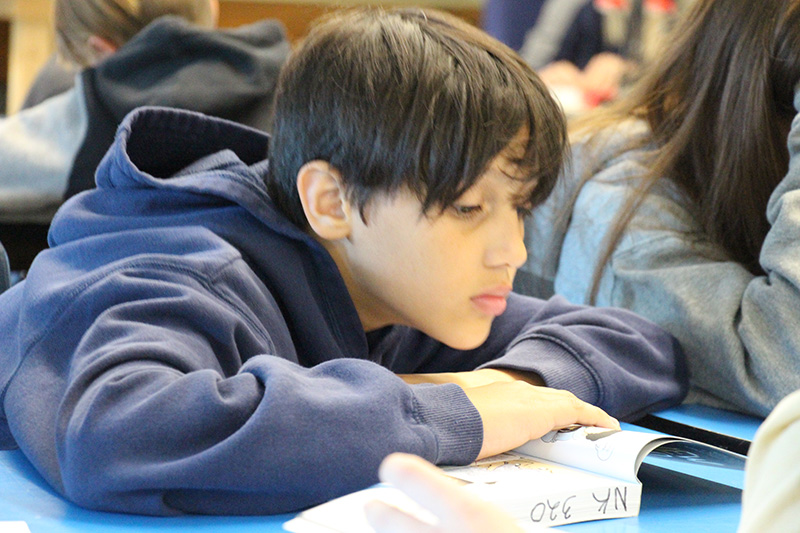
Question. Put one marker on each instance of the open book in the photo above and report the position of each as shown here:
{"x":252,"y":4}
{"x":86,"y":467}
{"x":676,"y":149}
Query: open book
{"x":571,"y":475}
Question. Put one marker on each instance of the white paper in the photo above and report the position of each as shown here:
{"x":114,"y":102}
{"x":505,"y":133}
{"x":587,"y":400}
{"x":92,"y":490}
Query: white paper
{"x":14,"y":527}
{"x":346,"y":514}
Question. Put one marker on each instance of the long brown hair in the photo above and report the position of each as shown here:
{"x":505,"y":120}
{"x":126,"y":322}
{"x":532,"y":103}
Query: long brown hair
{"x":718,"y":104}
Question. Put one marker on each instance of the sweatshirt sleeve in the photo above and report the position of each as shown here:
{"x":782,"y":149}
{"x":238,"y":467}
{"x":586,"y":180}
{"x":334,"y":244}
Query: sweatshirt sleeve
{"x":158,"y":391}
{"x":738,"y":330}
{"x":608,"y":357}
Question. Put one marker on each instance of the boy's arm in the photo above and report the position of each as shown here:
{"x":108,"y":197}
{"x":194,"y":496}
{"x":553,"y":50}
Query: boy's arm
{"x":156,"y":390}
{"x":608,"y":357}
{"x":144,"y":403}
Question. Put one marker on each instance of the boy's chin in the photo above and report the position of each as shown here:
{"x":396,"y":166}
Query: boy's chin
{"x":465,"y":340}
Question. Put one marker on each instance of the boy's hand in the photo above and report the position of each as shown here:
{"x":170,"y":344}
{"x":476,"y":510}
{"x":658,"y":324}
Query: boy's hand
{"x":514,"y":409}
{"x":514,"y":413}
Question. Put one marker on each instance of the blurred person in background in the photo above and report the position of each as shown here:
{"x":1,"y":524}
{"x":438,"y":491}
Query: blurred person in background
{"x":681,"y":203}
{"x":125,"y":54}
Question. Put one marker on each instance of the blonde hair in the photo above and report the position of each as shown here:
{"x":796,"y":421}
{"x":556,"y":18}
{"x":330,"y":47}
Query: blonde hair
{"x":116,"y":21}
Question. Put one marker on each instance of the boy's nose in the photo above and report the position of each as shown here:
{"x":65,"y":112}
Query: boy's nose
{"x":518,"y":251}
{"x":509,"y":245}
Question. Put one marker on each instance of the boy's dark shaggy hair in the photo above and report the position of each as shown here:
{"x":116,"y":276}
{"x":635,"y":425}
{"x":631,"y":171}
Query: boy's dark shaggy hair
{"x":409,"y":99}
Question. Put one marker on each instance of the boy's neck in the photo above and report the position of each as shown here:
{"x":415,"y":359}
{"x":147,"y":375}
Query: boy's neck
{"x":365,"y":313}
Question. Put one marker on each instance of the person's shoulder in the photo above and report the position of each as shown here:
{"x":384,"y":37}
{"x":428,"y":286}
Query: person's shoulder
{"x":263,"y":32}
{"x":616,"y":157}
{"x":622,"y":140}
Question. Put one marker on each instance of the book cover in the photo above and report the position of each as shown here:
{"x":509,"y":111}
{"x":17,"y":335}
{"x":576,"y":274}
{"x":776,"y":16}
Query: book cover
{"x":570,"y":475}
{"x":581,"y":473}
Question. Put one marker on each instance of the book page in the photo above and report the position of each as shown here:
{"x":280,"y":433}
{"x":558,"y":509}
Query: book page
{"x":619,"y":453}
{"x":346,"y":514}
{"x":14,"y":527}
{"x":515,"y":468}
{"x":613,"y":453}
{"x":700,"y":460}
{"x":536,"y":492}
{"x":697,"y":453}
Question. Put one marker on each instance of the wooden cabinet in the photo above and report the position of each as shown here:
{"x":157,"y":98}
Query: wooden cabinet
{"x":297,"y":16}
{"x":30,"y":42}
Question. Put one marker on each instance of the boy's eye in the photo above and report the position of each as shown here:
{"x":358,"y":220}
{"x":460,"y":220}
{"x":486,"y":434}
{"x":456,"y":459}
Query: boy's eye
{"x":467,"y":211}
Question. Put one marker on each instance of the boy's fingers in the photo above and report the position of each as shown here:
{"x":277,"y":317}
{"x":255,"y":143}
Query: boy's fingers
{"x":569,"y":410}
{"x":559,"y":408}
{"x":585,"y":414}
{"x":516,"y":412}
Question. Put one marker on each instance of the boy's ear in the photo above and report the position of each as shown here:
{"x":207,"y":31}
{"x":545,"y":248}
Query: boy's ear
{"x":102,"y":48}
{"x":324,"y":202}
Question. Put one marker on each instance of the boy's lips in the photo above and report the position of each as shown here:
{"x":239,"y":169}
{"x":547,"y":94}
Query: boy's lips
{"x":492,"y":302}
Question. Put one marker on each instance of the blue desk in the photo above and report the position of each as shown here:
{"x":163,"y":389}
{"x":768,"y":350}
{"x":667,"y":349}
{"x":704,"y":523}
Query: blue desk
{"x":726,"y":422}
{"x":671,"y":500}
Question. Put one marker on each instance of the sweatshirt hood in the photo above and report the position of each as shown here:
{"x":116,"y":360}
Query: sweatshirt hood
{"x":165,"y":156}
{"x":229,"y":74}
{"x":225,"y":73}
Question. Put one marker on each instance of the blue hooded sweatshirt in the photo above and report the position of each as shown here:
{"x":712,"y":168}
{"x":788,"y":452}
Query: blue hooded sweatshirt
{"x":182,"y":347}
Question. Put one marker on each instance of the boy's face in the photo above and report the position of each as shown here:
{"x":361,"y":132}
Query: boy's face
{"x":447,"y":275}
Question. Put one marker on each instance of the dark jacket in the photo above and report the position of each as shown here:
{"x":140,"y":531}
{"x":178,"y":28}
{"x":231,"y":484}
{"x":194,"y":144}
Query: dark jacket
{"x":183,"y":347}
{"x":51,"y":151}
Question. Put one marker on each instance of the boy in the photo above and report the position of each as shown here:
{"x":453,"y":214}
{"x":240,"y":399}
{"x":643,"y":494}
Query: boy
{"x":198,"y":340}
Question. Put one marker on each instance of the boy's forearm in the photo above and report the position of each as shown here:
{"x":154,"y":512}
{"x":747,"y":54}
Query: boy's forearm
{"x":608,"y":357}
{"x":475,"y":378}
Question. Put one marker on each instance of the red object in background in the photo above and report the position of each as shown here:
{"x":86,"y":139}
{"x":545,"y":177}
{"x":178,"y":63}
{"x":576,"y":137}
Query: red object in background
{"x":593,"y":98}
{"x":665,"y":6}
{"x":611,"y":4}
